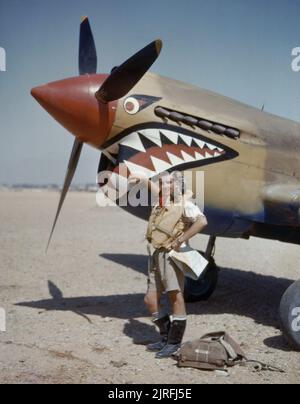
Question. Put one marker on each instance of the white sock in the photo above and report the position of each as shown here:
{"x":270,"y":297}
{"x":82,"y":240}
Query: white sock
{"x":182,"y":317}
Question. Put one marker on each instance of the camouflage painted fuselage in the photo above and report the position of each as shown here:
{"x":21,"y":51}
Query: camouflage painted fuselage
{"x":251,"y":183}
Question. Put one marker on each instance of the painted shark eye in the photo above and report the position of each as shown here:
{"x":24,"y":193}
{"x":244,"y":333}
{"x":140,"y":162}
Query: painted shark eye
{"x":131,"y":106}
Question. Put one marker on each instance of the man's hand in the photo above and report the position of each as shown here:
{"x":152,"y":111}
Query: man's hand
{"x":177,"y":244}
{"x":195,"y":229}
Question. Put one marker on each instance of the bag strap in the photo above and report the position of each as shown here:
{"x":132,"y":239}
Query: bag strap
{"x":260,"y":366}
{"x":235,"y":354}
{"x":235,"y":346}
{"x":160,"y":228}
{"x":229,"y":349}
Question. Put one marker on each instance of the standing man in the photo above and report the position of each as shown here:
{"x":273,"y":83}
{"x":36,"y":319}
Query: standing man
{"x":175,"y":219}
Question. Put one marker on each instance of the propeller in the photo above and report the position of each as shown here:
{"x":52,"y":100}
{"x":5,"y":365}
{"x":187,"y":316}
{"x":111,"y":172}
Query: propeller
{"x":126,"y":76}
{"x":87,"y":65}
{"x":87,"y":49}
{"x":121,"y":80}
{"x":74,"y":159}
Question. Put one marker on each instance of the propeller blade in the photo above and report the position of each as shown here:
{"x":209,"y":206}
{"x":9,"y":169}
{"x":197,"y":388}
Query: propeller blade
{"x":126,"y":76}
{"x":87,"y":49}
{"x":75,"y":155}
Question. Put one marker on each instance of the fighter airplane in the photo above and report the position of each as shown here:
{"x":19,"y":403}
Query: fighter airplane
{"x":151,"y":123}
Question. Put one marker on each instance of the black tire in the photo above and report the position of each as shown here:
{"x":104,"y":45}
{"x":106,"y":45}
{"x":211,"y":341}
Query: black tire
{"x":290,"y":315}
{"x":202,"y":290}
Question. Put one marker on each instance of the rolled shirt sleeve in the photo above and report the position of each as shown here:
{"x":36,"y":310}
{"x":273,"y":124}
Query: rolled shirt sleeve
{"x":192,"y":212}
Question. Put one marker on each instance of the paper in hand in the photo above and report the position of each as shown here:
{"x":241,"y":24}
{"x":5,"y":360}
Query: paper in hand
{"x":189,"y":261}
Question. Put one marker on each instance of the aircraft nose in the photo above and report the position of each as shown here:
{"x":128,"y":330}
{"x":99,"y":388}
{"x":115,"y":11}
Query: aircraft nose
{"x":39,"y":93}
{"x":73,"y":104}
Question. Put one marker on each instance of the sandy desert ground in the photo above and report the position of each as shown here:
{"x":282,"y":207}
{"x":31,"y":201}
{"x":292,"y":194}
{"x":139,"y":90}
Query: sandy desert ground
{"x":76,"y":315}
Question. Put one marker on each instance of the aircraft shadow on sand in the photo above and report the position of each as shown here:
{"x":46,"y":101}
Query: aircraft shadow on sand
{"x":239,"y":293}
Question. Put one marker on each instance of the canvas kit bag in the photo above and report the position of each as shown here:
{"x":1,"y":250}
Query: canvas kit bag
{"x":216,"y":351}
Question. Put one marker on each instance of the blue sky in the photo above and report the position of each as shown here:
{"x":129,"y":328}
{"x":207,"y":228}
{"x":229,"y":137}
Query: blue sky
{"x":238,"y":48}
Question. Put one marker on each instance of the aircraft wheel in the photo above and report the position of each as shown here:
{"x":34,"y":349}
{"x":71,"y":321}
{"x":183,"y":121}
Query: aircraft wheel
{"x":202,"y":290}
{"x":290,"y":315}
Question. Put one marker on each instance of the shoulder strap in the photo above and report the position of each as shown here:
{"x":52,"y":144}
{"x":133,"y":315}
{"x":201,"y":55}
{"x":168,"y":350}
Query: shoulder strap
{"x":160,"y":228}
{"x":232,"y":348}
{"x":260,"y":366}
{"x":235,"y":346}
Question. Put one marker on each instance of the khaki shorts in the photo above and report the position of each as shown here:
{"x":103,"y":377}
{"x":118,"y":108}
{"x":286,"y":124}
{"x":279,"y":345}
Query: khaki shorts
{"x":164,"y":276}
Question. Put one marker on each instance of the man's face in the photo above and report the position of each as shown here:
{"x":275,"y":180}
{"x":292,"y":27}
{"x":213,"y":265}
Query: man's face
{"x":168,"y":186}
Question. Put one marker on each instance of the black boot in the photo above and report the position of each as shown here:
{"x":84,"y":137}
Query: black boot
{"x":174,"y":341}
{"x":163,"y":324}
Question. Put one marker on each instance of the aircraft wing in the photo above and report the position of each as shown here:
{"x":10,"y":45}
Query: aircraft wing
{"x":282,"y":204}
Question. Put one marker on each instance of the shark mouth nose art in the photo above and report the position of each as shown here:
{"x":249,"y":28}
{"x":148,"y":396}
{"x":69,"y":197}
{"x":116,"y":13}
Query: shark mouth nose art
{"x":155,"y":149}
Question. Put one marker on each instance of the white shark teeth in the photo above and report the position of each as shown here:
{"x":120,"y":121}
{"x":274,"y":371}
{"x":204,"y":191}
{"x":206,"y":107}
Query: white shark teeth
{"x":134,"y":141}
{"x":210,"y":146}
{"x":175,"y":161}
{"x":187,"y":158}
{"x":199,"y":156}
{"x":200,"y":143}
{"x":153,"y":136}
{"x":136,"y":169}
{"x":172,"y":136}
{"x":208,"y":156}
{"x":187,"y":139}
{"x":160,"y":165}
